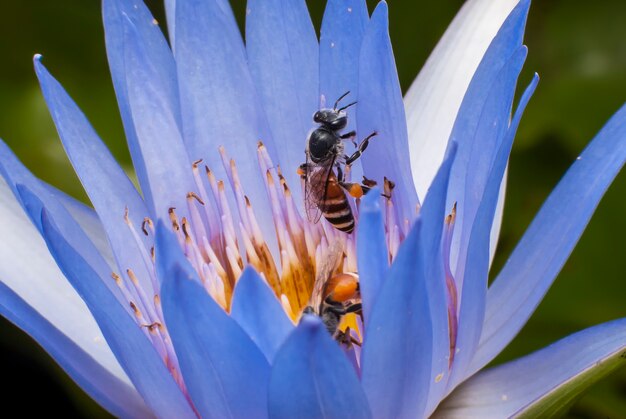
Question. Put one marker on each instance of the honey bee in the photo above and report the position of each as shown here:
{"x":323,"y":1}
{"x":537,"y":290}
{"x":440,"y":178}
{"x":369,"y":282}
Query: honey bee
{"x":325,"y":187}
{"x":334,"y":295}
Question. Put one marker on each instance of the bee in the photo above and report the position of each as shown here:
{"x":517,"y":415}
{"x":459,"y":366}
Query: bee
{"x":334,"y":295}
{"x":325,"y":187}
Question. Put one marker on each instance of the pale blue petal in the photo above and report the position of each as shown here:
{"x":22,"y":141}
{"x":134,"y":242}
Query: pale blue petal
{"x":127,"y":340}
{"x":432,"y":216}
{"x":115,"y":12}
{"x":397,"y":352}
{"x":342,"y":31}
{"x":487,"y":171}
{"x":540,"y":384}
{"x":88,"y":220}
{"x":381,"y":109}
{"x":219,"y":101}
{"x":548,"y":242}
{"x":107,"y":390}
{"x":38,"y":196}
{"x":108,"y":187}
{"x":283,"y":56}
{"x":170,"y":15}
{"x":259,"y":312}
{"x":312,"y":378}
{"x":480,"y":152}
{"x":153,"y":104}
{"x":372,"y":253}
{"x":507,"y":41}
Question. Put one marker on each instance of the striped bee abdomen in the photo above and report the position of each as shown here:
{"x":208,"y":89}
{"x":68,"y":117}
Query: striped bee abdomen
{"x":336,"y":208}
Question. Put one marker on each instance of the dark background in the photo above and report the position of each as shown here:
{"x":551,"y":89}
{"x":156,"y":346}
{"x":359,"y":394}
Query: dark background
{"x":577,"y":47}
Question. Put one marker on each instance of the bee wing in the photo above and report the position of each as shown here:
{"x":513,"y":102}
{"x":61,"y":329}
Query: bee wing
{"x":330,"y":259}
{"x":316,"y":178}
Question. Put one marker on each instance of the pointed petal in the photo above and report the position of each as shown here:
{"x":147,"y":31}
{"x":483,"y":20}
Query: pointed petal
{"x":127,"y":341}
{"x":170,"y":16}
{"x":37,"y":195}
{"x":548,"y":242}
{"x":283,"y":55}
{"x":225,"y":372}
{"x":381,"y":110}
{"x":114,"y":394}
{"x":115,"y":13}
{"x":432,"y":216}
{"x":497,"y":66}
{"x":153,"y":104}
{"x":477,"y":154}
{"x":260,"y":314}
{"x":397,"y":351}
{"x":219,"y":102}
{"x":372,"y":253}
{"x":434,"y":98}
{"x":546,"y":381}
{"x":342,"y":31}
{"x":313,"y":378}
{"x":38,"y":290}
{"x":472,"y":310}
{"x":108,"y":187}
{"x":88,"y":220}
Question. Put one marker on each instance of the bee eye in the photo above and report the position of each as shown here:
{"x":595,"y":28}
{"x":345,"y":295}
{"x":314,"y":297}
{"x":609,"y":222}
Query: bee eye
{"x":339,"y":123}
{"x":317,"y":117}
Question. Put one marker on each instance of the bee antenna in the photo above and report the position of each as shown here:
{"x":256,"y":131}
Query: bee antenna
{"x":339,"y":100}
{"x":346,"y":107}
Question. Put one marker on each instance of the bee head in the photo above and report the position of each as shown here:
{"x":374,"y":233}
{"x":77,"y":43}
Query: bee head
{"x":335,"y":120}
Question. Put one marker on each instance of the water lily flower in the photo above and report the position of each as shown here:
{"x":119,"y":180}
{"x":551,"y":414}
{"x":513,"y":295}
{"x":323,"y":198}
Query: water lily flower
{"x":186,"y":300}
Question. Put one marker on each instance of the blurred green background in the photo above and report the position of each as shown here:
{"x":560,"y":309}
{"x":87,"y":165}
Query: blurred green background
{"x":577,"y":47}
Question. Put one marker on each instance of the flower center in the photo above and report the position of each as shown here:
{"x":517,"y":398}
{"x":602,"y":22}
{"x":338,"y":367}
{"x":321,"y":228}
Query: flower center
{"x":219,"y":241}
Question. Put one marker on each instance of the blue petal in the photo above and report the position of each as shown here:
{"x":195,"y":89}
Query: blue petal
{"x":312,"y":378}
{"x":168,"y":252}
{"x":219,"y":102}
{"x":381,"y":109}
{"x":547,"y":379}
{"x":548,"y":242}
{"x":480,"y":206}
{"x":108,"y":187}
{"x":342,"y":31}
{"x":372,"y":253}
{"x":109,"y":391}
{"x":127,"y":341}
{"x":397,"y":352}
{"x":225,"y":372}
{"x":115,"y":12}
{"x":507,"y":41}
{"x":432,"y":214}
{"x":260,"y":314}
{"x":33,"y":195}
{"x":283,"y":56}
{"x":87,"y":218}
{"x":480,"y":153}
{"x":153,"y":104}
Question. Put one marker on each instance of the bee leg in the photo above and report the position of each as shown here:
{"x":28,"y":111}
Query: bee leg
{"x":349,"y":136}
{"x":354,"y":308}
{"x":355,"y":190}
{"x":360,"y":149}
{"x":340,"y":174}
{"x":346,"y":338}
